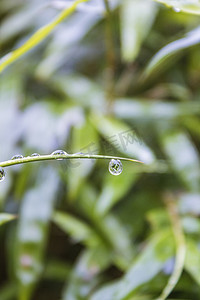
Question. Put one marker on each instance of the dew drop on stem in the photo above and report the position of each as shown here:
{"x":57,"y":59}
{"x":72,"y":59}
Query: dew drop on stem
{"x":176,"y":9}
{"x":59,"y":152}
{"x":18,"y":156}
{"x":2,"y":174}
{"x":115,"y":167}
{"x":35,"y":154}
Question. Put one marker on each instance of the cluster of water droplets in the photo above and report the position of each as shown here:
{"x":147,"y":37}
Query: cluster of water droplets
{"x":115,"y":166}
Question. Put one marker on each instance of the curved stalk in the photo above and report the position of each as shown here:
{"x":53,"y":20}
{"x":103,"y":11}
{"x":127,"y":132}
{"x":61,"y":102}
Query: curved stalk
{"x":28,"y":159}
{"x":180,"y":247}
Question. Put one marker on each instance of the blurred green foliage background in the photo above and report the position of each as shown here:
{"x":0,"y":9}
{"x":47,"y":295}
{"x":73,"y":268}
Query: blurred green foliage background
{"x":100,"y":84}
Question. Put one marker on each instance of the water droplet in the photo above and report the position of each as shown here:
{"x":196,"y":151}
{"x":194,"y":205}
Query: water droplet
{"x":2,"y":174}
{"x":115,"y":167}
{"x":35,"y":154}
{"x":59,"y":152}
{"x":176,"y":9}
{"x":18,"y":156}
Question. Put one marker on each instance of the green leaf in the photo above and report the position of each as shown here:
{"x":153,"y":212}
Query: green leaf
{"x":4,"y":218}
{"x":77,"y":229}
{"x":39,"y":36}
{"x":57,"y":270}
{"x":183,"y":157}
{"x":32,"y":231}
{"x":158,"y":218}
{"x":84,"y":139}
{"x":187,"y":6}
{"x":192,"y":261}
{"x":141,"y":109}
{"x":85,"y":273}
{"x":114,"y":188}
{"x":136,"y":20}
{"x":8,"y":291}
{"x":149,"y":263}
{"x":123,"y":138}
{"x":163,"y":58}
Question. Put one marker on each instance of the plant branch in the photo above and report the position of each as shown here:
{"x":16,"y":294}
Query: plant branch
{"x":29,"y":159}
{"x":180,"y":246}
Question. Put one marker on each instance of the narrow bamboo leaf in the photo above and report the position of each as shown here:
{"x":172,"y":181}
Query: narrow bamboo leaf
{"x":84,"y":276}
{"x":114,"y":188}
{"x":142,"y":109}
{"x":4,"y":218}
{"x":119,"y":240}
{"x":61,"y":47}
{"x":77,"y":229}
{"x":8,"y":291}
{"x":33,"y":231}
{"x":136,"y":20}
{"x":84,"y":139}
{"x":189,"y":204}
{"x":192,"y":261}
{"x":183,"y":157}
{"x":186,"y":6}
{"x":147,"y":266}
{"x":57,"y":270}
{"x":123,"y":138}
{"x":109,"y":229}
{"x":179,"y":239}
{"x":39,"y":36}
{"x":161,"y":60}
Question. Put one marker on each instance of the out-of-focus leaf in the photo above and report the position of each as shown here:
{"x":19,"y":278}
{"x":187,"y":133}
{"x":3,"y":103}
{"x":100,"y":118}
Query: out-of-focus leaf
{"x":149,"y":263}
{"x":109,"y":228}
{"x":161,"y":59}
{"x":192,"y":261}
{"x":39,"y":36}
{"x":33,"y":230}
{"x":136,"y":20}
{"x":41,"y":136}
{"x":114,"y":188}
{"x":158,"y":219}
{"x":10,"y":119}
{"x":4,"y":218}
{"x":187,"y":6}
{"x":77,"y":229}
{"x":22,"y":19}
{"x":84,"y":139}
{"x":84,"y":276}
{"x":191,"y":225}
{"x":189,"y":203}
{"x":143,"y":109}
{"x":193,"y":124}
{"x":123,"y":138}
{"x":183,"y":157}
{"x":8,"y":291}
{"x":88,"y":93}
{"x":119,"y":241}
{"x":61,"y":48}
{"x":57,"y":270}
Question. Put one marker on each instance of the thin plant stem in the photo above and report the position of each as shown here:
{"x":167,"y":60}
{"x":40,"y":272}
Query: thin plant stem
{"x":180,"y":246}
{"x":29,"y":159}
